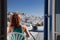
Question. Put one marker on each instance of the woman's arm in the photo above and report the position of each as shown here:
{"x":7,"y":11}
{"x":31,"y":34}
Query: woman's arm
{"x":26,"y":31}
{"x":8,"y":29}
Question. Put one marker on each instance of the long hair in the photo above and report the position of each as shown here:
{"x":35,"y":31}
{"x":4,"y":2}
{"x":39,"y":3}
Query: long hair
{"x":14,"y":20}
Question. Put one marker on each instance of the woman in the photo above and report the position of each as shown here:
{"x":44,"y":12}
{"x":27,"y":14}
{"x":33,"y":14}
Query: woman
{"x":15,"y":25}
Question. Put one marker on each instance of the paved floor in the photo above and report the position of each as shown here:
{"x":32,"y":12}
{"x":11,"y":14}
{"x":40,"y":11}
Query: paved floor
{"x":37,"y":36}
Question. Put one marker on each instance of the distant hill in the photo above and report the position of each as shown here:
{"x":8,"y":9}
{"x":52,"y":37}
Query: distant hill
{"x":26,"y":18}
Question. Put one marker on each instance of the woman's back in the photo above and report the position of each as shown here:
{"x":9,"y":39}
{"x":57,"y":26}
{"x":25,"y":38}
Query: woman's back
{"x":18,"y":29}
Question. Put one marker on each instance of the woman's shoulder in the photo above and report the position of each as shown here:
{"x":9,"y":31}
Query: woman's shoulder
{"x":24,"y":26}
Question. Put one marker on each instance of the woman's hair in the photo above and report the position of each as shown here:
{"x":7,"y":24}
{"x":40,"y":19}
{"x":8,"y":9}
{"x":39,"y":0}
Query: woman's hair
{"x":14,"y":20}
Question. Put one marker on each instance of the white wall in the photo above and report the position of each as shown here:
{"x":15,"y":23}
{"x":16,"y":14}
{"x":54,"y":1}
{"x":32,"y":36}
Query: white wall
{"x":58,"y":22}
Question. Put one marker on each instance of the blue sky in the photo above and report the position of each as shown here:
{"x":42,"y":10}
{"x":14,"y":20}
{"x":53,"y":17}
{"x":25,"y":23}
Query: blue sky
{"x":31,"y":7}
